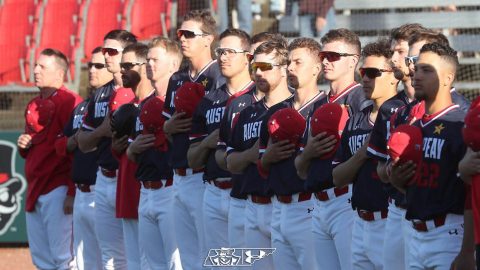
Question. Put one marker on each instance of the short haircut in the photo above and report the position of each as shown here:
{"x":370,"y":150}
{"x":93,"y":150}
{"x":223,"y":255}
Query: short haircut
{"x":404,"y":32}
{"x":60,"y":58}
{"x":278,"y":48}
{"x":140,"y":50}
{"x":267,"y":36}
{"x":97,"y":50}
{"x":170,"y":46}
{"x":429,"y":36}
{"x":378,"y":48}
{"x":123,"y":36}
{"x":306,"y":43}
{"x":444,"y":51}
{"x":242,"y":35}
{"x":344,"y":35}
{"x":209,"y":26}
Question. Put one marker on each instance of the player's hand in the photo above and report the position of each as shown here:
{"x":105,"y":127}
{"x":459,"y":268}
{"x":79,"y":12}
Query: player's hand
{"x":141,"y":143}
{"x":319,"y":145}
{"x":211,"y":140}
{"x":72,"y":143}
{"x":68,"y":205}
{"x":105,"y":129}
{"x":470,"y":164}
{"x":119,"y":144}
{"x":464,"y":261}
{"x":253,"y":152}
{"x":177,"y":124}
{"x":278,"y":151}
{"x":24,"y":141}
{"x":401,"y":174}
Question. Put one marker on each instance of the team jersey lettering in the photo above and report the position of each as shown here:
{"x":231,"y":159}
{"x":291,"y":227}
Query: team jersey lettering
{"x":172,"y":98}
{"x":214,"y":115}
{"x":355,"y":142}
{"x":101,"y":109}
{"x":251,"y":130}
{"x":432,"y":147}
{"x":138,"y":125}
{"x":77,"y":121}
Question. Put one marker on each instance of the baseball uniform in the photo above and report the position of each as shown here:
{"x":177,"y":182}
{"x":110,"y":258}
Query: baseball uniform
{"x":108,"y":228}
{"x":369,"y":198}
{"x":332,"y":215}
{"x":49,"y":181}
{"x":435,"y":200}
{"x":188,"y":183}
{"x":291,"y":214}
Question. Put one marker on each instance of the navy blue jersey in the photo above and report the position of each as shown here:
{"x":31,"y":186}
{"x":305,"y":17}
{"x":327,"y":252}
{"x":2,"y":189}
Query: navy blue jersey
{"x":439,"y":190}
{"x":283,"y":178}
{"x":206,"y":119}
{"x":353,"y":96}
{"x":246,"y":131}
{"x":212,"y":79}
{"x":459,"y":99}
{"x":84,"y":165}
{"x":97,"y":110}
{"x":368,"y":192}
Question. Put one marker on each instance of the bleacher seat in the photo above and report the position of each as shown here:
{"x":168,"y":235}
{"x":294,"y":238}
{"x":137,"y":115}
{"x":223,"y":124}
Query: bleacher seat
{"x":149,"y":18}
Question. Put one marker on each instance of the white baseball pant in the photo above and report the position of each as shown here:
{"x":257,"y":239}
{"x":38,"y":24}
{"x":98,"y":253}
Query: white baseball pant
{"x":332,"y":225}
{"x":86,"y":248}
{"x":258,"y":218}
{"x":109,"y":229}
{"x":292,"y":235}
{"x":49,"y":232}
{"x":188,"y":217}
{"x":367,"y":243}
{"x":136,"y":259}
{"x":156,"y":229}
{"x":438,"y":247}
{"x":394,"y":247}
{"x":236,"y":223}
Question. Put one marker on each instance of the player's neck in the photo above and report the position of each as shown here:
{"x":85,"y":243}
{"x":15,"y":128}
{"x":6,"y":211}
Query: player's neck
{"x":238,"y":82}
{"x":161,"y":86}
{"x":408,"y":89}
{"x":341,"y":84}
{"x":277,"y":95}
{"x":117,"y":77}
{"x":197,"y":63}
{"x":440,"y":102}
{"x":305,"y":94}
{"x":143,"y":89}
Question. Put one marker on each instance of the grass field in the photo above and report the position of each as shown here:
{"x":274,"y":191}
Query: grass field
{"x":17,"y":258}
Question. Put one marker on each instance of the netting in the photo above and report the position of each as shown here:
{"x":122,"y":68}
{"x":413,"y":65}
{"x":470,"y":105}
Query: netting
{"x":458,"y":20}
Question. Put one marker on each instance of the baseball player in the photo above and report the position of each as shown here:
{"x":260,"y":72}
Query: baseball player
{"x":84,"y":169}
{"x":436,"y":218}
{"x":233,"y":56}
{"x":369,"y":198}
{"x":50,"y":191}
{"x":394,"y":249}
{"x":269,"y":68}
{"x":332,"y":236}
{"x":196,"y":35}
{"x":155,"y":216}
{"x":291,"y":218}
{"x":96,"y":134}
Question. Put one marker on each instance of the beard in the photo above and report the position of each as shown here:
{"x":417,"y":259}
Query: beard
{"x":130,"y":79}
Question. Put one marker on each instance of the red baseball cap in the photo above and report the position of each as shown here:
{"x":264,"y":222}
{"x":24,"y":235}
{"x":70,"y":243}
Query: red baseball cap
{"x":152,"y":120}
{"x":286,"y":124}
{"x":38,"y":116}
{"x":120,"y":97}
{"x":188,"y":96}
{"x":475,"y":103}
{"x":471,"y":130}
{"x":416,"y":112}
{"x":406,"y":143}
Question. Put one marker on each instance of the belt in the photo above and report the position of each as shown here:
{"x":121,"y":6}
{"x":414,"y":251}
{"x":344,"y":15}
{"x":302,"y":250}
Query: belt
{"x":84,"y":187}
{"x":225,"y":184}
{"x":157,"y":184}
{"x":185,"y":172}
{"x":297,"y":197}
{"x":371,"y":216}
{"x":260,"y":199}
{"x":327,"y":194}
{"x":425,"y":226}
{"x":108,"y":173}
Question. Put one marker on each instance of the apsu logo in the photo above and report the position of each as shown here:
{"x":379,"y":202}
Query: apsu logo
{"x":12,"y":185}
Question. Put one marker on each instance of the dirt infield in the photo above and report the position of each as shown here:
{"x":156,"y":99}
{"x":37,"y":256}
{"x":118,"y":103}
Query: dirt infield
{"x":17,"y":258}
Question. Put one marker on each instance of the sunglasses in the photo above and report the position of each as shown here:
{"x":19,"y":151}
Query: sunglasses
{"x":96,"y":65}
{"x":372,"y":73}
{"x":129,"y":65}
{"x":263,"y":66}
{"x":189,"y":34}
{"x":333,"y":56}
{"x":228,"y":52}
{"x":411,"y":60}
{"x":111,"y":51}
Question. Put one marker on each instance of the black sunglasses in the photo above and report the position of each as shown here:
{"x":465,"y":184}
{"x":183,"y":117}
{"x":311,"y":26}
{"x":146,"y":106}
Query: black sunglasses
{"x":333,"y":56}
{"x":189,"y":34}
{"x":411,"y":60}
{"x":129,"y":65}
{"x":96,"y":65}
{"x":372,"y":73}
